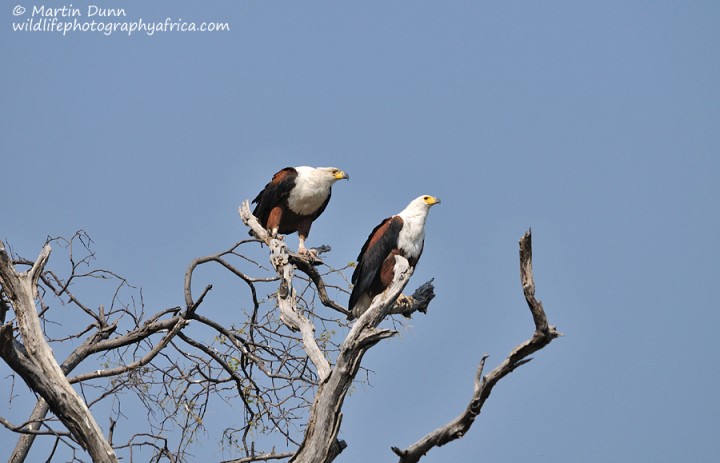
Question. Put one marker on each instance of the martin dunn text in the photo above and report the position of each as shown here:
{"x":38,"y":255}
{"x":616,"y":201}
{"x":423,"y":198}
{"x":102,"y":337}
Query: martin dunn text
{"x":68,"y":11}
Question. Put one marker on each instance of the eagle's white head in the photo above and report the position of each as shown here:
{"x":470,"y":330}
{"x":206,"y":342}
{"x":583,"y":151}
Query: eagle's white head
{"x":322,"y":175}
{"x":419,"y":207}
{"x":312,"y":188}
{"x":412,"y":235}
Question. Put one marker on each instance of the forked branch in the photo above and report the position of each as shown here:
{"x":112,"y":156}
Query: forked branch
{"x":302,"y":263}
{"x":321,"y":444}
{"x":544,"y":334}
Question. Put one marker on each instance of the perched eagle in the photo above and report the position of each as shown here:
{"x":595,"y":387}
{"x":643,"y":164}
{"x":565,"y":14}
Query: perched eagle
{"x":402,"y":234}
{"x":294,"y":198}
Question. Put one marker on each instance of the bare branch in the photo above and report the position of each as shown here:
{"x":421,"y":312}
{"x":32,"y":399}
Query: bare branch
{"x":309,"y":269}
{"x":42,"y":371}
{"x":305,"y":264}
{"x":280,"y":258}
{"x":289,"y":313}
{"x":180,"y":322}
{"x":252,"y":222}
{"x":418,"y":302}
{"x":543,"y":335}
{"x":30,"y":428}
{"x":320,"y":443}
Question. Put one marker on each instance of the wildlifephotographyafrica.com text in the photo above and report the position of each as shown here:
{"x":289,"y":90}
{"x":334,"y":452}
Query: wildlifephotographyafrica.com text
{"x":67,"y":19}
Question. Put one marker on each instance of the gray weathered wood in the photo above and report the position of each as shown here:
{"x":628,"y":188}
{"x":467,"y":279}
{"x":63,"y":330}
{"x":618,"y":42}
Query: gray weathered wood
{"x":543,"y":335}
{"x":35,"y":362}
{"x":289,"y":313}
{"x":320,"y":444}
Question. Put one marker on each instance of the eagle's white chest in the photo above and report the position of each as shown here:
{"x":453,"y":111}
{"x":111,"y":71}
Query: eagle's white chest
{"x":308,"y":195}
{"x":412,"y":236}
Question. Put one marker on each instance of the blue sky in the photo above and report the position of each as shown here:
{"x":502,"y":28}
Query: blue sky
{"x":595,"y":123}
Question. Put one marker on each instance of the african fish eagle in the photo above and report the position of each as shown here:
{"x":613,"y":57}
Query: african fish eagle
{"x":402,"y":234}
{"x":294,"y":198}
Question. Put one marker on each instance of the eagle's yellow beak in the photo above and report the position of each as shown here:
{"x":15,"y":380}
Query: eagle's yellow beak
{"x":341,"y":175}
{"x":431,"y":200}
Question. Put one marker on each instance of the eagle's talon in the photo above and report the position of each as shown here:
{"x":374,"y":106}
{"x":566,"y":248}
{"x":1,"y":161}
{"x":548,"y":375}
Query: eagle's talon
{"x":311,"y":254}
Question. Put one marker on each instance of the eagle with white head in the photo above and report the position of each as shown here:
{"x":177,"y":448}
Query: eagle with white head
{"x":402,"y":234}
{"x":294,"y":198}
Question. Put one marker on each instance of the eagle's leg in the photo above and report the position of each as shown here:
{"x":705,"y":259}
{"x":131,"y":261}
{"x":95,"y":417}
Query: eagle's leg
{"x":303,"y":251}
{"x":273,"y":221}
{"x":303,"y":230}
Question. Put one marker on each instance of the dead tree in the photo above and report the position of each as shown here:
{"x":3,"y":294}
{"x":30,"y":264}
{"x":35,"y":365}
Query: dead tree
{"x":284,"y":355}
